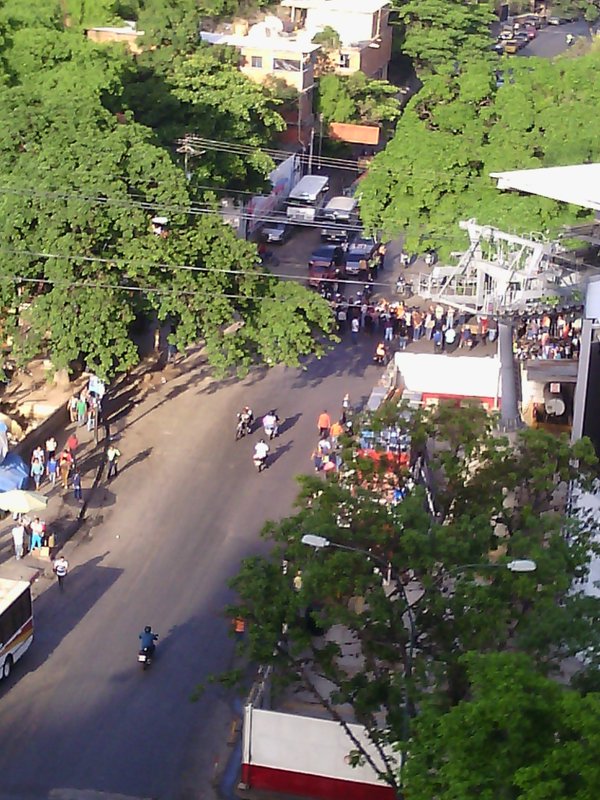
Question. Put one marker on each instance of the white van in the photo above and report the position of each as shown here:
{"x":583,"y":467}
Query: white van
{"x":307,"y":198}
{"x":340,"y":208}
{"x":341,"y":213}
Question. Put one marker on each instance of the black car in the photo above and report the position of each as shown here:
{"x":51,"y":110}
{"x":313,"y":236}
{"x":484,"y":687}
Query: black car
{"x":360,"y":249}
{"x":275,"y":232}
{"x":327,"y":254}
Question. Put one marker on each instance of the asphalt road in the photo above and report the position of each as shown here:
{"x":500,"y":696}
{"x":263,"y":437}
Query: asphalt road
{"x":552,"y":40}
{"x":77,"y":712}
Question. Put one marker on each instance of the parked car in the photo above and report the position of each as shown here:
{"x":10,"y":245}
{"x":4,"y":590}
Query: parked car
{"x":361,"y":249}
{"x":276,"y":232}
{"x":340,"y":215}
{"x":320,"y":272}
{"x":522,"y":38}
{"x":560,"y":20}
{"x":512,"y":46}
{"x":327,"y":254}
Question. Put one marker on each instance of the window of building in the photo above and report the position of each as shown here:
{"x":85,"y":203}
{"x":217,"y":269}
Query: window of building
{"x":344,"y":62}
{"x":287,"y":64}
{"x":256,"y":62}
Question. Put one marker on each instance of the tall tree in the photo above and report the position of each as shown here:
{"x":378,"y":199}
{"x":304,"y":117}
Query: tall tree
{"x":443,"y":35}
{"x":517,"y":735}
{"x":408,"y":637}
{"x":80,"y":262}
{"x":460,"y":128}
{"x":358,"y":99}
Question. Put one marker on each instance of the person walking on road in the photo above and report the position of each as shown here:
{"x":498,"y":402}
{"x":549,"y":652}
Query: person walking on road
{"x":323,"y":424}
{"x":37,"y":472}
{"x":76,"y":483}
{"x":72,"y":406}
{"x":112,"y":457}
{"x":52,"y":470}
{"x":81,"y":410}
{"x":60,"y":567}
{"x":354,"y":329}
{"x":18,"y":534}
{"x":51,"y":447}
{"x":64,"y":467}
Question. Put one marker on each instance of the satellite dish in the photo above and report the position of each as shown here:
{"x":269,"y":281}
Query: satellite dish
{"x":273,"y":23}
{"x":258,"y":31}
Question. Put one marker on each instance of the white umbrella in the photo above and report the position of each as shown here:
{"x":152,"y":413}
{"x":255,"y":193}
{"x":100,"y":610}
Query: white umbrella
{"x":20,"y":501}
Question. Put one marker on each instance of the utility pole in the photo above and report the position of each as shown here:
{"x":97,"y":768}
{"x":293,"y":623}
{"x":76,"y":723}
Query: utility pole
{"x":320,"y":138}
{"x":311,"y":149}
{"x":187,"y":148}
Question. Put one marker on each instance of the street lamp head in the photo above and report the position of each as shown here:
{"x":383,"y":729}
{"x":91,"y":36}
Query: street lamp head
{"x":312,"y":540}
{"x":522,"y":565}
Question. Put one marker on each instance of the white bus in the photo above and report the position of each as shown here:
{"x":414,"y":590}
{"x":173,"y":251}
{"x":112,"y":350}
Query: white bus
{"x":16,"y":623}
{"x":307,"y":198}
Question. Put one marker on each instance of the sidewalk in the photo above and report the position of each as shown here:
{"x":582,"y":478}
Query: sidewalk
{"x":63,"y":513}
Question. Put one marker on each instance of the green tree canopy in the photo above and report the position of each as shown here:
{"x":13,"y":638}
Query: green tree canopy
{"x":456,"y":608}
{"x":460,"y":128}
{"x":518,"y":735}
{"x":443,"y":35}
{"x":356,"y":98}
{"x":79,"y":184}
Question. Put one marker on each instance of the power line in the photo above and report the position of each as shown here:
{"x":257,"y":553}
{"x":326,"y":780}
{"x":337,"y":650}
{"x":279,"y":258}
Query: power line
{"x":236,"y":148}
{"x":162,"y":266}
{"x":173,"y":209}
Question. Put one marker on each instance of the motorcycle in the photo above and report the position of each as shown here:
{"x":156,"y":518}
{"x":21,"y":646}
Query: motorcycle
{"x":145,"y":656}
{"x":242,"y":428}
{"x":271,"y":431}
{"x":260,"y":462}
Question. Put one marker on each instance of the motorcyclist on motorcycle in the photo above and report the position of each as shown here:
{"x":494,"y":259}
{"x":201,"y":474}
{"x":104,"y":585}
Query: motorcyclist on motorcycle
{"x":245,"y":419}
{"x":261,"y":451}
{"x":147,"y":639}
{"x":246,"y":415}
{"x":271,"y":424}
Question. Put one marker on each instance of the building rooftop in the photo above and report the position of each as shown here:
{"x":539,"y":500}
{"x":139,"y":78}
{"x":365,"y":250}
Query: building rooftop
{"x":578,"y":184}
{"x":258,"y":41}
{"x":347,"y":6}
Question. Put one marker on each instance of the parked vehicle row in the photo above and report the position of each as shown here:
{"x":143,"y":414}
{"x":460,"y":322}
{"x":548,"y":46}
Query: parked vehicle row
{"x":332,"y":261}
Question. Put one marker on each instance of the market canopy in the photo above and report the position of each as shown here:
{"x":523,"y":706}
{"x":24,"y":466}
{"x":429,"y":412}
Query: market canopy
{"x":578,"y":184}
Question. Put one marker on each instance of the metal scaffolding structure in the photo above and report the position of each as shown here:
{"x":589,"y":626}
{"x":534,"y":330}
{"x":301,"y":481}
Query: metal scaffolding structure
{"x":501,"y":274}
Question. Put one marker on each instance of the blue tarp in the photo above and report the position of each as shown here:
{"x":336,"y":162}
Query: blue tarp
{"x":13,"y":473}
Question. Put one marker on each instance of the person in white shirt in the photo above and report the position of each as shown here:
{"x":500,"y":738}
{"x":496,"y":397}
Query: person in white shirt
{"x":261,"y":451}
{"x":60,"y":567}
{"x":270,"y":422}
{"x":18,"y":534}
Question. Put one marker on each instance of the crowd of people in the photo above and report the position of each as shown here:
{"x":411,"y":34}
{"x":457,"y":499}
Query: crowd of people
{"x":326,"y":455}
{"x":50,"y":465}
{"x":85,"y":408}
{"x":47,"y":464}
{"x":553,"y":335}
{"x":398,"y":323}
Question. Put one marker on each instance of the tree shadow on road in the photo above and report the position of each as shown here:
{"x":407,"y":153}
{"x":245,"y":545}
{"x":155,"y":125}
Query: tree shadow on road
{"x":57,"y":612}
{"x":345,"y":359}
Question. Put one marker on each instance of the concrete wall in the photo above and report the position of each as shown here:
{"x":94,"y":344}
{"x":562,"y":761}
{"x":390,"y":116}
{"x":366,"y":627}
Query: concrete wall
{"x":301,"y":80}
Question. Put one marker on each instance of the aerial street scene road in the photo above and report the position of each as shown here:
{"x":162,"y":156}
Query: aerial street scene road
{"x":299,"y":423}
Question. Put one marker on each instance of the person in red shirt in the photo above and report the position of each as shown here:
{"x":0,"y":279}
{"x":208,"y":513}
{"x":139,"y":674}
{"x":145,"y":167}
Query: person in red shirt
{"x":72,"y":444}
